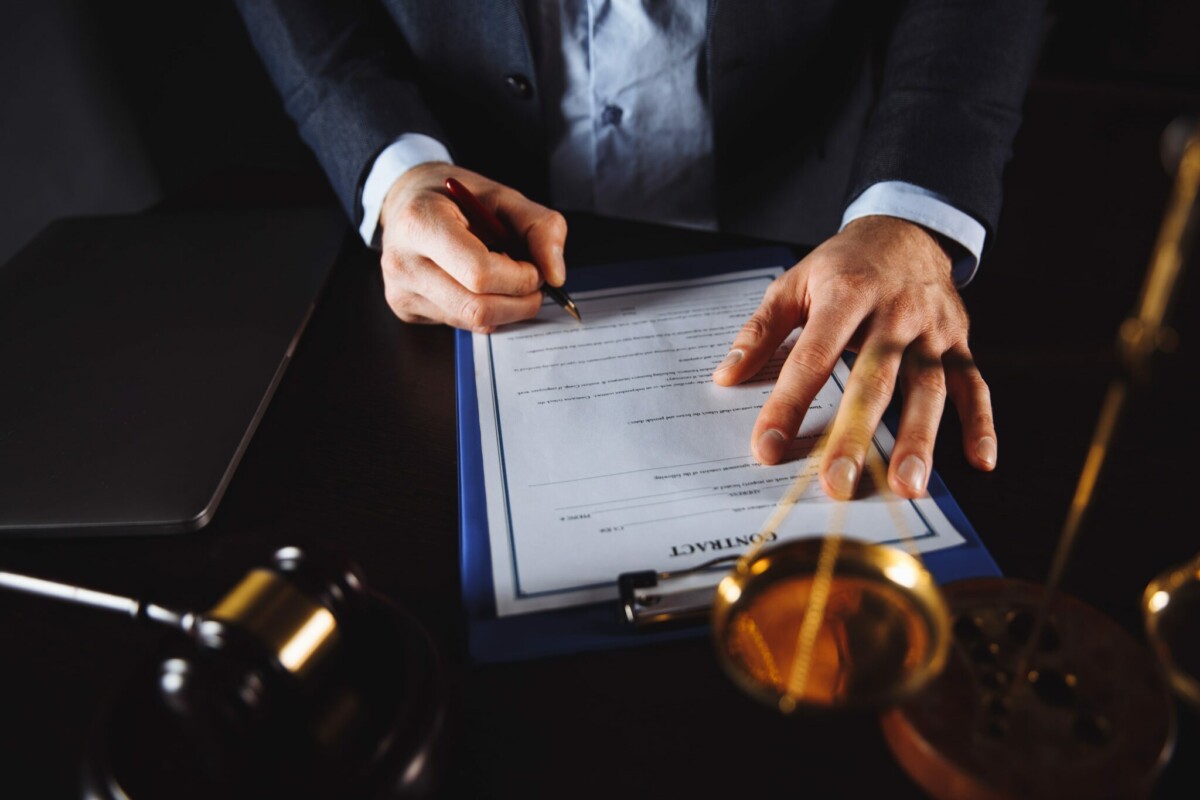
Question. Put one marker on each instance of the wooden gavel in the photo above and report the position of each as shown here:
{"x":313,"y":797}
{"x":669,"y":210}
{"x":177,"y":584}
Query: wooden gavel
{"x":298,"y":682}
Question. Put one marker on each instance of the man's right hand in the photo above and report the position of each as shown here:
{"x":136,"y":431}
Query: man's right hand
{"x":436,"y":269}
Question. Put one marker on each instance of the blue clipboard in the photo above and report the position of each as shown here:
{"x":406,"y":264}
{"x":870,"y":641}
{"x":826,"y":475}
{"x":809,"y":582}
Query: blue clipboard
{"x":599,"y":626}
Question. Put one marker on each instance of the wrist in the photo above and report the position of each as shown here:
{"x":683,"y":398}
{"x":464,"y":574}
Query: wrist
{"x":942,"y":247}
{"x":960,"y":234}
{"x":881,"y":229}
{"x":413,"y":177}
{"x":407,"y":151}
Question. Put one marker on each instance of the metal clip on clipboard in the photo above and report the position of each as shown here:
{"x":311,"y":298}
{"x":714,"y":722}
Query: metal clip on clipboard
{"x":654,"y":600}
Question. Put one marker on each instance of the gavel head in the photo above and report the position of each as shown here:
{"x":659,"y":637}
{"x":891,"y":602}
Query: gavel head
{"x":298,"y":682}
{"x":287,"y":619}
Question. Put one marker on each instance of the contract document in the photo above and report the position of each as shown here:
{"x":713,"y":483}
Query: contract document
{"x":607,"y":448}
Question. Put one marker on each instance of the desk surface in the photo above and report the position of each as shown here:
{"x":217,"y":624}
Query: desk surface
{"x":357,"y":450}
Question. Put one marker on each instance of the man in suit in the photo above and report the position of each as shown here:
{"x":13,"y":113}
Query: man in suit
{"x":877,"y":128}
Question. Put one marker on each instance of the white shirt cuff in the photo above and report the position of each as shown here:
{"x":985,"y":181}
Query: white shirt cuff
{"x":396,"y":159}
{"x":927,"y":209}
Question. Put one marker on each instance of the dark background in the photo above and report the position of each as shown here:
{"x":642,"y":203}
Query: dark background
{"x":117,"y":107}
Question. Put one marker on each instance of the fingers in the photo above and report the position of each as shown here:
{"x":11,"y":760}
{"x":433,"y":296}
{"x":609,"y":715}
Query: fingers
{"x":446,"y":240}
{"x":543,"y":230}
{"x":868,"y":392}
{"x":805,"y":371}
{"x":924,"y":383}
{"x":420,"y":291}
{"x":437,"y":268}
{"x":928,"y":378}
{"x":752,"y":348}
{"x":973,"y":401}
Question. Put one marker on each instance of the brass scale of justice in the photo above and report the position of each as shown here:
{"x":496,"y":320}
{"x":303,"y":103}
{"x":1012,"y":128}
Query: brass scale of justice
{"x":989,"y":688}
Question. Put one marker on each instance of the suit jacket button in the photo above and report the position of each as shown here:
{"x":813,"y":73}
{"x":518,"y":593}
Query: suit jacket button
{"x":520,"y":86}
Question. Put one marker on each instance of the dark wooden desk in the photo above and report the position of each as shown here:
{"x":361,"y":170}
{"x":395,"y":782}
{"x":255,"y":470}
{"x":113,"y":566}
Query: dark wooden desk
{"x":358,"y":450}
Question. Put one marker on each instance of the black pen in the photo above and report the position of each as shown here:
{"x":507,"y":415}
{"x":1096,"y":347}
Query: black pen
{"x":481,"y":217}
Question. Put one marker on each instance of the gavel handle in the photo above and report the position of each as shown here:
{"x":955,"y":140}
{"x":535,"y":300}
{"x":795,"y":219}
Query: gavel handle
{"x":135,"y":609}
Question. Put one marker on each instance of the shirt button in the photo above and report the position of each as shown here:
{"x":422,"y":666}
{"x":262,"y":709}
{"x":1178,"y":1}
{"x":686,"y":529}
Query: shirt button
{"x":611,"y":115}
{"x":519,"y":86}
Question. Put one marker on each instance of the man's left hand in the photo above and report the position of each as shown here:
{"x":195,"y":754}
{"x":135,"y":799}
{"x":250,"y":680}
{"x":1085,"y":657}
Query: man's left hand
{"x":882,"y":288}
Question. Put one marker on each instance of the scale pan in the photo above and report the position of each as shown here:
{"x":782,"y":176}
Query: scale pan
{"x":1171,"y":606}
{"x":882,"y":635}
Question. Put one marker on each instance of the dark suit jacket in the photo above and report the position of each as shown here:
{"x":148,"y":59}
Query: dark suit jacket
{"x":812,"y":100}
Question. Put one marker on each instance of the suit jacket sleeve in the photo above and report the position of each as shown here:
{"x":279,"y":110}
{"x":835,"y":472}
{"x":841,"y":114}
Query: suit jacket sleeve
{"x":347,"y":79}
{"x":954,"y":77}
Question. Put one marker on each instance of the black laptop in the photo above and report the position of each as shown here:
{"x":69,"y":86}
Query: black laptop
{"x":137,"y":354}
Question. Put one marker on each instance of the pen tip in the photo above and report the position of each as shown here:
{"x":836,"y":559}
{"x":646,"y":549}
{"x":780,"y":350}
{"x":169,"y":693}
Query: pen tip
{"x":574,"y":312}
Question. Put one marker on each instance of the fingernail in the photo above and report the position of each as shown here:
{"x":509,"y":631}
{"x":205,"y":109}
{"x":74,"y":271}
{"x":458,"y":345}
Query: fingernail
{"x":842,"y":476}
{"x":770,"y":446}
{"x":986,"y":451}
{"x":734,"y":356}
{"x":911,"y":473}
{"x":559,"y":266}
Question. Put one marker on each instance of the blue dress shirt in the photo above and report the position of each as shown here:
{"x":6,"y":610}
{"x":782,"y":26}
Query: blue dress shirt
{"x":630,"y":131}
